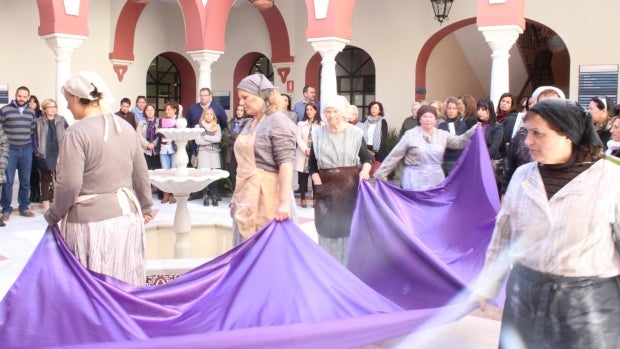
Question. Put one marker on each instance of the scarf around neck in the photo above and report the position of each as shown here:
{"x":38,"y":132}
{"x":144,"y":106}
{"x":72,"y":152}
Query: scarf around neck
{"x":376,"y":139}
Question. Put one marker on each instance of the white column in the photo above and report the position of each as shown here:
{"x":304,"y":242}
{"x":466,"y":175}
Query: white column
{"x":204,"y":58}
{"x":63,"y":46}
{"x":500,"y":38}
{"x":328,"y":48}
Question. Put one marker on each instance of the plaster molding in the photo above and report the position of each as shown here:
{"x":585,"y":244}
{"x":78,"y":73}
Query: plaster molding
{"x":320,"y":9}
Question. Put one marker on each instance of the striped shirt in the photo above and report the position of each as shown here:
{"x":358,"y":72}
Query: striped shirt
{"x":18,"y":125}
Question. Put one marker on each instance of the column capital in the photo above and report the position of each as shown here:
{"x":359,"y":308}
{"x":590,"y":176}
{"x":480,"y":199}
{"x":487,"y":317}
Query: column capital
{"x":328,"y":44}
{"x":205,"y":56}
{"x":501,"y":36}
{"x":63,"y":42}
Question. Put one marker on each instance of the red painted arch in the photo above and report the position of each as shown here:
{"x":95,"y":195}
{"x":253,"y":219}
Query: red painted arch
{"x":429,"y":45}
{"x":337,"y":23}
{"x":242,"y":70}
{"x":205,"y":27}
{"x":53,"y":19}
{"x":313,"y":72}
{"x":188,"y":78}
{"x":278,"y":35}
{"x":126,"y":31}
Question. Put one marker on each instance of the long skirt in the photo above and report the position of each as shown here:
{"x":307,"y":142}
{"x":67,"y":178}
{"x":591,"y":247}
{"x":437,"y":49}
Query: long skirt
{"x":550,"y":311}
{"x":115,"y":246}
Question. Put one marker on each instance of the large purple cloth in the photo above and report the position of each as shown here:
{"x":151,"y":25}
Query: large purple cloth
{"x":421,"y":249}
{"x":279,"y":289}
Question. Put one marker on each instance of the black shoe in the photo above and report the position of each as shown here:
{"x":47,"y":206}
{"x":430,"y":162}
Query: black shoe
{"x":205,"y":201}
{"x":214,"y":202}
{"x":2,"y":224}
{"x":298,"y":191}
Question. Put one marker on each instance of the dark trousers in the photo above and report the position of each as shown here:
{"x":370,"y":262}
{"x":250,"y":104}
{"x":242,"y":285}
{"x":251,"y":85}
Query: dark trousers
{"x":302,"y":179}
{"x":47,"y":185}
{"x":551,"y":311}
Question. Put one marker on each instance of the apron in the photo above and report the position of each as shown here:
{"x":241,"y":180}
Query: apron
{"x":256,"y":194}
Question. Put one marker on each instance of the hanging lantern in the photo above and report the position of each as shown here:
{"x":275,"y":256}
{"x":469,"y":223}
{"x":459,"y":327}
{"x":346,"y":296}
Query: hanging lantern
{"x":441,"y":9}
{"x":262,"y":4}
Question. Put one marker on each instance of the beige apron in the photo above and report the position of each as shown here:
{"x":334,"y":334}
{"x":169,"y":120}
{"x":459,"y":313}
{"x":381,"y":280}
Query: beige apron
{"x":256,"y":193}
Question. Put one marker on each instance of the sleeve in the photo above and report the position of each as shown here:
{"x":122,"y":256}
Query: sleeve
{"x":313,"y":166}
{"x":141,"y":135}
{"x":497,"y":263}
{"x":459,"y":142}
{"x":283,"y":140}
{"x":364,"y":155}
{"x":391,"y":161}
{"x":4,"y":150}
{"x":496,"y":142}
{"x":302,"y":144}
{"x":140,"y":180}
{"x":220,"y":114}
{"x":383,"y":150}
{"x":70,"y":172}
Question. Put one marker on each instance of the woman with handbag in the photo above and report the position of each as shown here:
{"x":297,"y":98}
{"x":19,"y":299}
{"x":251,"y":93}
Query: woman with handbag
{"x":49,"y":130}
{"x":311,"y":120}
{"x":166,"y":148}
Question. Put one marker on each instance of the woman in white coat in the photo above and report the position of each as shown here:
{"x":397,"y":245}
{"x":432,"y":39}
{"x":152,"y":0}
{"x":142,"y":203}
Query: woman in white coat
{"x":310,"y":121}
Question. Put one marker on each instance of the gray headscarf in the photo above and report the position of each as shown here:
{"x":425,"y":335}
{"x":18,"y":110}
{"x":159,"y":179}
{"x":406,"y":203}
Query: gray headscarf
{"x":256,"y":84}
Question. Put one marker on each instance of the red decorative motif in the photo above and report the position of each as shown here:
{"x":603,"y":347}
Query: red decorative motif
{"x":283,"y":73}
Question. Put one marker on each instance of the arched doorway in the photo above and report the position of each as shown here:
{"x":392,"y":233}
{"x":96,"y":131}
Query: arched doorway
{"x":355,"y":77}
{"x":163,"y":83}
{"x":262,"y":65}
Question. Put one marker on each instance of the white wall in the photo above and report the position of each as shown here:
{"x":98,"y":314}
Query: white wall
{"x":391,"y":31}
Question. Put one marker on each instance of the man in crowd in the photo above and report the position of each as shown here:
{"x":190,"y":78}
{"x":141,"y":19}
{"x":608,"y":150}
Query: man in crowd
{"x":309,"y":96}
{"x":410,"y":121}
{"x":125,"y":114}
{"x":206,"y":100}
{"x":18,"y":121}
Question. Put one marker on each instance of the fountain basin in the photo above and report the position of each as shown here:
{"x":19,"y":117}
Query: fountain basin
{"x":185,"y":180}
{"x":207,"y":242}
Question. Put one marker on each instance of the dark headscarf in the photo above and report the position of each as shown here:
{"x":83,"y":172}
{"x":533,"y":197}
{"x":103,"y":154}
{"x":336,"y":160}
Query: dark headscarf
{"x":427,"y":109}
{"x":570,"y":117}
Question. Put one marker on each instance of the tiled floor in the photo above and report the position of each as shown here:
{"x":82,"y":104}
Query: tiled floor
{"x":21,"y":235}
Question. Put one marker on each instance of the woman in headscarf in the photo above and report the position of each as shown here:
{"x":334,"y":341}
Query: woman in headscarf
{"x":338,"y":160}
{"x":423,"y":149}
{"x":103,"y":191}
{"x":555,"y":229}
{"x":265,"y":153}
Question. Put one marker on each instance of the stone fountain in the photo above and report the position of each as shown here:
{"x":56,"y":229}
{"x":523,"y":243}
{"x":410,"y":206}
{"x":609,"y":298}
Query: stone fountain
{"x":181,"y":181}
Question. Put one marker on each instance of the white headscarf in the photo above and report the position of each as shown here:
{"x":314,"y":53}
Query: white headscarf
{"x":84,"y":85}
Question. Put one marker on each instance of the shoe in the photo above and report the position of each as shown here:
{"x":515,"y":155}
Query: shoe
{"x":298,"y":191}
{"x":26,"y":213}
{"x":165,"y":198}
{"x":45,"y":204}
{"x":218,"y":197}
{"x":205,"y":201}
{"x":2,"y":224}
{"x":5,"y":217}
{"x":304,"y":204}
{"x":172,"y":200}
{"x":214,"y":202}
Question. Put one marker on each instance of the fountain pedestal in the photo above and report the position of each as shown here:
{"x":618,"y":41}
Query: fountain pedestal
{"x":182,"y":181}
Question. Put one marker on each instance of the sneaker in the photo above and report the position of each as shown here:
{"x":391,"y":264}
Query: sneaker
{"x":26,"y":213}
{"x":5,"y":217}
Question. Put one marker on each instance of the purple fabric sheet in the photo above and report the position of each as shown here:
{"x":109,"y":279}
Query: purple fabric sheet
{"x":279,"y":289}
{"x":422,"y":248}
